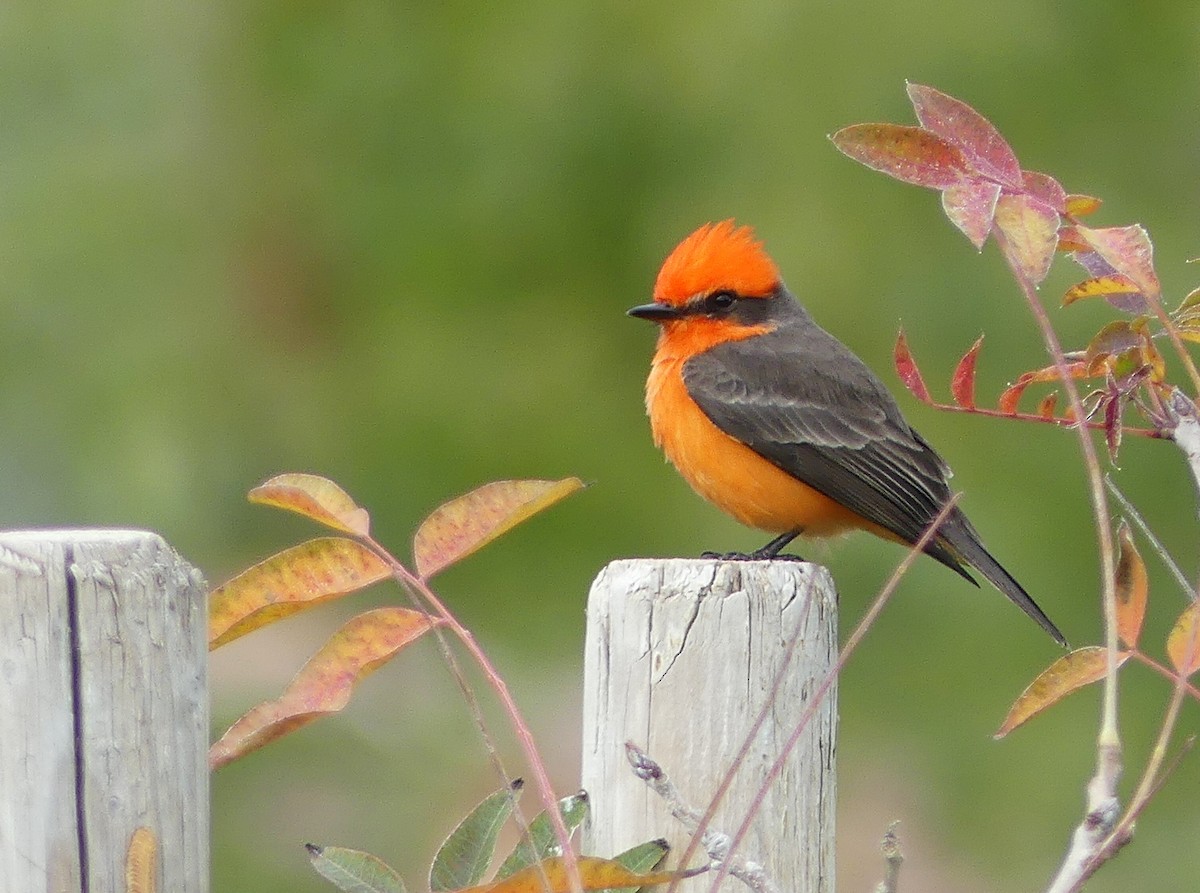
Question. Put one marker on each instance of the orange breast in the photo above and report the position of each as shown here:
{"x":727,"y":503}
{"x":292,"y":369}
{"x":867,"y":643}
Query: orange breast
{"x":730,"y":474}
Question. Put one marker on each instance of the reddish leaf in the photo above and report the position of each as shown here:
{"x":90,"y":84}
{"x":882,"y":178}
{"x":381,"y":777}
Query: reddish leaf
{"x":1047,"y":406}
{"x":550,"y":876}
{"x":1045,"y":189}
{"x":314,"y":497}
{"x":907,"y":153}
{"x":1183,"y":643}
{"x":981,"y":144}
{"x":906,"y":368}
{"x":1011,"y":398}
{"x":971,"y":206}
{"x":1069,"y":673}
{"x":1133,"y":588}
{"x":468,"y":523}
{"x":1030,"y":230}
{"x":1120,"y":291}
{"x":962,"y":385}
{"x":1082,"y":205}
{"x":1128,"y":250}
{"x":294,"y":580}
{"x":324,"y":684}
{"x":1112,"y":427}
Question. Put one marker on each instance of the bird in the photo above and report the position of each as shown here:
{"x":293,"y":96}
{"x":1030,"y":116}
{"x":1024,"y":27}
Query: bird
{"x":778,"y":423}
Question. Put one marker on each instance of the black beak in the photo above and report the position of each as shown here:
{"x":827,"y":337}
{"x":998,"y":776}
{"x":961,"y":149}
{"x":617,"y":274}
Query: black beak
{"x":654,"y":312}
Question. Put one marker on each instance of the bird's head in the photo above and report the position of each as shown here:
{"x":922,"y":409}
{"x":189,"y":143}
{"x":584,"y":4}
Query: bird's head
{"x":715,"y":286}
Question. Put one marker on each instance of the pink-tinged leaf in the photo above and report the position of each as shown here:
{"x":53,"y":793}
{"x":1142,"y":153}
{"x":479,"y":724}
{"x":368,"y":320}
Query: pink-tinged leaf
{"x":315,"y":497}
{"x":1183,"y":643}
{"x":1030,"y":235}
{"x":324,"y":684}
{"x":1047,"y":405}
{"x":971,"y":206}
{"x":985,"y":150}
{"x":1045,"y":189}
{"x":906,"y":368}
{"x":1069,"y":673}
{"x":1119,"y":291}
{"x":962,"y":385}
{"x":1082,"y":205}
{"x":468,"y":523}
{"x":1133,"y":589}
{"x":906,"y":153}
{"x":1128,"y":250}
{"x":294,"y":580}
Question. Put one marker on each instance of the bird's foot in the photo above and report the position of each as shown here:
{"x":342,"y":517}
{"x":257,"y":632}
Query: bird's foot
{"x":756,"y":555}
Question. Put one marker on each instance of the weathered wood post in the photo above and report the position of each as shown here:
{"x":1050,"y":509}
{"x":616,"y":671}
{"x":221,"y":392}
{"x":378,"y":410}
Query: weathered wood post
{"x":680,"y":658}
{"x":103,"y":711}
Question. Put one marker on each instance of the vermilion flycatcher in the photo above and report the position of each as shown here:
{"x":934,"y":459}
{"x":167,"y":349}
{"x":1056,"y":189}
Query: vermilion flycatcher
{"x":777,"y":422}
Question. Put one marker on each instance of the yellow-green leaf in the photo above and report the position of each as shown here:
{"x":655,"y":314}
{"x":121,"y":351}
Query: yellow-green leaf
{"x":468,"y":523}
{"x":291,"y":581}
{"x":325,"y":683}
{"x":315,"y":497}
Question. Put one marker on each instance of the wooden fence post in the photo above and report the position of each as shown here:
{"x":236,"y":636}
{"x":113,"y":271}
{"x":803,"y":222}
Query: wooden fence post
{"x":103,"y":711}
{"x":680,"y":658}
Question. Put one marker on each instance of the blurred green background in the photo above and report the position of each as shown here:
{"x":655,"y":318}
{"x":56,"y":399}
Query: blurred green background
{"x":394,"y":243}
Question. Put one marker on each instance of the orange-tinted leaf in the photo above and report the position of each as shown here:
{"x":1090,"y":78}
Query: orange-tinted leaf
{"x":141,"y":862}
{"x":1011,"y":398}
{"x":1030,"y":230}
{"x":1069,"y":673}
{"x":1101,"y":287}
{"x":467,"y":523}
{"x":325,"y":683}
{"x":1082,"y":205}
{"x":981,"y":144}
{"x":906,"y":153}
{"x":1045,"y":189}
{"x":595,"y":874}
{"x":1128,"y":250}
{"x":1183,"y":643}
{"x":314,"y":497}
{"x":971,"y":206}
{"x":906,"y":368}
{"x":1133,"y":587}
{"x":1048,"y":404}
{"x":292,"y":581}
{"x":1070,"y":240}
{"x":962,"y":385}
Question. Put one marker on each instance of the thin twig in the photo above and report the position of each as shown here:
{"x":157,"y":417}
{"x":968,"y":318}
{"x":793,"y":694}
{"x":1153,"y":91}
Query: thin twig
{"x":765,"y":711}
{"x":822,"y":690}
{"x":416,"y":585}
{"x":715,"y":843}
{"x":1135,"y":516}
{"x":893,"y":858}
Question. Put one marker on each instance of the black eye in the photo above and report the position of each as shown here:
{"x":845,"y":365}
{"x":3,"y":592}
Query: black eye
{"x":721,"y":300}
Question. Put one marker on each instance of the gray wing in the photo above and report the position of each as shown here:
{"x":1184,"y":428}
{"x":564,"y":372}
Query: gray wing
{"x":800,"y":399}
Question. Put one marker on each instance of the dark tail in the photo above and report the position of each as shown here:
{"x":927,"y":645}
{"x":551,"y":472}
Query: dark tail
{"x":960,"y":543}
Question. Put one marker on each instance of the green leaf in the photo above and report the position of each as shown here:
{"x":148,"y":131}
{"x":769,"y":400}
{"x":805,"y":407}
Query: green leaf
{"x":541,"y":842}
{"x":642,"y":858}
{"x":353,"y":870}
{"x":467,"y":852}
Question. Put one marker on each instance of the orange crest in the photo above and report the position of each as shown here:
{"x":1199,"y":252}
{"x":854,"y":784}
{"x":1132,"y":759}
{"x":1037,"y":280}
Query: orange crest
{"x":716,"y":256}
